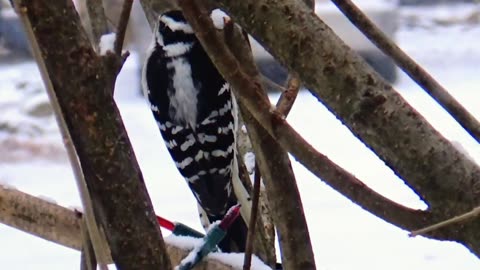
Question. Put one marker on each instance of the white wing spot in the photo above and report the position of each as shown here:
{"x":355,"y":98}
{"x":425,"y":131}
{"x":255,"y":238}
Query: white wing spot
{"x":221,"y":153}
{"x":199,"y":155}
{"x":224,"y":88}
{"x":193,"y":178}
{"x":189,"y":142}
{"x":226,"y":108}
{"x":171,"y":144}
{"x":176,"y":129}
{"x":182,"y":165}
{"x":161,"y":126}
{"x":202,"y":138}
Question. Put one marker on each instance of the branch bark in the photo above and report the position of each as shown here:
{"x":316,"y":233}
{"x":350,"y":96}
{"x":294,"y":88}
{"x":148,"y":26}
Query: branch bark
{"x":62,"y":226}
{"x":411,"y":68}
{"x":97,"y":21}
{"x":83,"y":84}
{"x":369,"y":107}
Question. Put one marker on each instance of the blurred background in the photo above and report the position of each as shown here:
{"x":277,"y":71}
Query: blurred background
{"x":442,"y":35}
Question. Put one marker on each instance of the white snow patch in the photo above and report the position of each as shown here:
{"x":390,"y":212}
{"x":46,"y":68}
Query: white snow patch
{"x":218,"y":18}
{"x":183,"y":242}
{"x":249,"y":160}
{"x":106,"y":43}
{"x":236,"y":260}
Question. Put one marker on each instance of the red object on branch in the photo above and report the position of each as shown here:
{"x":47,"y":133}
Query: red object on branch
{"x":230,"y":217}
{"x":165,"y":223}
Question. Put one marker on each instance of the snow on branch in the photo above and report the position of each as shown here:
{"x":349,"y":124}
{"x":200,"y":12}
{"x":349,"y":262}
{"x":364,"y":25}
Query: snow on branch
{"x":62,"y":226}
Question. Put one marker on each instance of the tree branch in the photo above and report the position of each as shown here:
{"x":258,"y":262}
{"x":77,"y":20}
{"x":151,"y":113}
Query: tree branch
{"x":84,"y":94}
{"x":467,"y":216}
{"x":98,"y":21}
{"x":411,"y":68}
{"x":253,"y":97}
{"x":368,"y":106}
{"x":62,"y":226}
{"x":253,"y":220}
{"x":122,"y":26}
{"x":96,"y":234}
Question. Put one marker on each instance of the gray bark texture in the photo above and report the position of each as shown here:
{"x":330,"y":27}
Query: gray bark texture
{"x":374,"y":112}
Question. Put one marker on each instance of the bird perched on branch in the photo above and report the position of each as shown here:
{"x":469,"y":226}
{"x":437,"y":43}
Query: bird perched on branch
{"x":194,"y":108}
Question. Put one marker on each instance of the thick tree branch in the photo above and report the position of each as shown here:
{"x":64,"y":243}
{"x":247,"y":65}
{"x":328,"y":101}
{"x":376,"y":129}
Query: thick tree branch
{"x":96,"y":235}
{"x":411,"y":68}
{"x":62,"y":226}
{"x":83,"y":91}
{"x":368,"y":106}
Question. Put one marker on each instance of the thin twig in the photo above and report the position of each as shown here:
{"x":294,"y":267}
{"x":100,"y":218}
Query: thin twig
{"x":253,"y":220}
{"x":87,"y":256}
{"x":98,"y":21}
{"x":411,"y":68}
{"x":469,"y":215}
{"x":288,"y":97}
{"x":122,"y":26}
{"x":271,"y":84}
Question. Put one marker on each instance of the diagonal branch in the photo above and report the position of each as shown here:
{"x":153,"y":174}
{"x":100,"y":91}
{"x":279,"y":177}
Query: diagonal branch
{"x":62,"y":226}
{"x":98,"y":21}
{"x":122,"y":26}
{"x":252,"y":96}
{"x":366,"y":104}
{"x":411,"y":68}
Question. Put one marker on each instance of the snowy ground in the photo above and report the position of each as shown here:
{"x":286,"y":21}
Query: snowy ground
{"x":344,"y":236}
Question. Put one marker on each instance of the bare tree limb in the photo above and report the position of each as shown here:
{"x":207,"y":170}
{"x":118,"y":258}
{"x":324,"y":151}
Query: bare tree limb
{"x":83,"y":91}
{"x":287,"y":98}
{"x":88,"y":260}
{"x":98,"y":21}
{"x":96,"y":234}
{"x":253,"y":220}
{"x":369,"y":107}
{"x":122,"y":26}
{"x":411,"y":68}
{"x":62,"y":226}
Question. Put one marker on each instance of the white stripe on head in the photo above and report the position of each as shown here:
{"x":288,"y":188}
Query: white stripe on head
{"x":176,"y":26}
